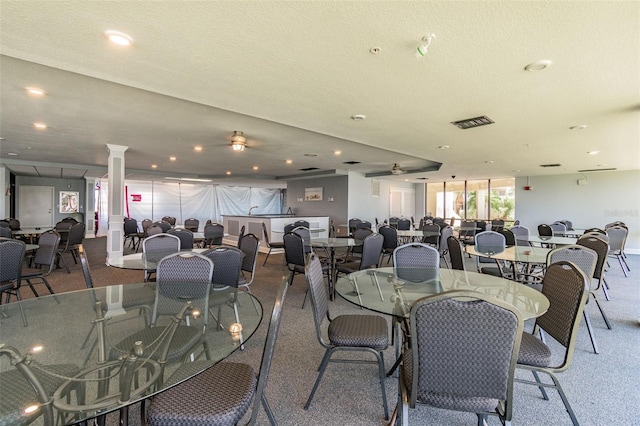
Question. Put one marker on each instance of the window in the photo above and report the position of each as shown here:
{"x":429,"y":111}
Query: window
{"x":483,"y":199}
{"x":503,"y":201}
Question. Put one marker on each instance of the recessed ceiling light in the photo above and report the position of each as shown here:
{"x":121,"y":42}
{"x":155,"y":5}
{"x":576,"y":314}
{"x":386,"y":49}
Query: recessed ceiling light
{"x":580,"y":127}
{"x":539,"y":65}
{"x":444,"y":147}
{"x":289,"y":161}
{"x":12,"y":154}
{"x":310,"y":155}
{"x":197,"y":148}
{"x":374,"y":50}
{"x":154,"y":166}
{"x":488,"y":162}
{"x":228,"y":172}
{"x":40,"y":126}
{"x":255,"y":167}
{"x":172,"y":158}
{"x":34,"y":91}
{"x":593,"y":152}
{"x":337,"y":152}
{"x":118,"y":38}
{"x":358,"y":117}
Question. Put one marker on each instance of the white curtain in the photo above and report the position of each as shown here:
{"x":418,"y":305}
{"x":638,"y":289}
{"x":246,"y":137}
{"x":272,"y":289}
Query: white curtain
{"x":154,"y":200}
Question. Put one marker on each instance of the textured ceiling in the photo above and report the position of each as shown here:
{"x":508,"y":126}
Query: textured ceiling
{"x":291,"y":74}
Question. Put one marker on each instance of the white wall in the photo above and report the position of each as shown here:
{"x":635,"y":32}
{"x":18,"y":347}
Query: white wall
{"x":363,"y":205}
{"x":606,"y":197}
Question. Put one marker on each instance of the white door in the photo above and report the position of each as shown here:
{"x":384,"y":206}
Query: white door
{"x":35,"y":206}
{"x":402,"y":202}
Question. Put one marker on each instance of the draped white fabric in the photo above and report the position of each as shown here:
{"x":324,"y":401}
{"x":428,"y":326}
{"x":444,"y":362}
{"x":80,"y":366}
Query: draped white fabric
{"x":154,"y":200}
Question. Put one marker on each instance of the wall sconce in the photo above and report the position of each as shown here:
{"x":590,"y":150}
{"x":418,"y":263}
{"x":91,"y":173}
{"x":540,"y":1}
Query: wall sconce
{"x":238,"y":141}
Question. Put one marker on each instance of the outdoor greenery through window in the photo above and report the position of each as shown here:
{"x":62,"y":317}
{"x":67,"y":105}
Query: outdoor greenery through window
{"x":486,"y":199}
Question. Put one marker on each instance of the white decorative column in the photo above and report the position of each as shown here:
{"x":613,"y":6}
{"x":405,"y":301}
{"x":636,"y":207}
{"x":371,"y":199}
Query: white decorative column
{"x":115,"y":232}
{"x":90,"y":208}
{"x":4,"y":197}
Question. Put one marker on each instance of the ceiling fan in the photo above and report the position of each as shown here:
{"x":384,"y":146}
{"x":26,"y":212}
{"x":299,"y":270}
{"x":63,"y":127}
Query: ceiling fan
{"x":397,"y":170}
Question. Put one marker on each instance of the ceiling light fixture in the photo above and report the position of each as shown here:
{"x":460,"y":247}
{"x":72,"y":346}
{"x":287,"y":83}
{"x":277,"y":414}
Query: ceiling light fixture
{"x":197,"y":148}
{"x":154,"y":166}
{"x":593,"y":152}
{"x":422,"y":49}
{"x":337,"y":152}
{"x":289,"y":161}
{"x":539,"y":65}
{"x":34,"y":91}
{"x":118,"y":38}
{"x":255,"y":167}
{"x":358,"y":117}
{"x":40,"y":126}
{"x":444,"y":147}
{"x":227,"y":173}
{"x":580,"y":127}
{"x":238,"y":141}
{"x":172,"y":158}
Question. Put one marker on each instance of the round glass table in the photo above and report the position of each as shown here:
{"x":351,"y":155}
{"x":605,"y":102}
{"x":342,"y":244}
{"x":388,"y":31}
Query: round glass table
{"x":393,"y":291}
{"x":71,"y":340}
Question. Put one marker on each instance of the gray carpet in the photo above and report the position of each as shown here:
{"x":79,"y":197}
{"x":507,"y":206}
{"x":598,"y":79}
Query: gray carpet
{"x":603,"y":389}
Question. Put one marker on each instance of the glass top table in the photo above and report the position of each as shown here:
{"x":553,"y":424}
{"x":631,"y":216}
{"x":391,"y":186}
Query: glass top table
{"x":555,"y":240}
{"x":67,"y":336}
{"x":332,"y":244}
{"x":393,"y":291}
{"x":515,"y":254}
{"x":138,"y":261}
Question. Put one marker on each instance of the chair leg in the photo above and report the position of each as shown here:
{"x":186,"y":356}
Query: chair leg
{"x":542,"y":389}
{"x":267,"y":409}
{"x":323,"y":366}
{"x":565,"y":401}
{"x":267,"y":258}
{"x":604,"y":316}
{"x":620,"y":261}
{"x":605,"y":289}
{"x":590,"y":330}
{"x":24,"y":316}
{"x":383,"y":376}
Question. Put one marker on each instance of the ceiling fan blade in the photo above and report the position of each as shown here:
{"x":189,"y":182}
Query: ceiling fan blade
{"x":431,"y":168}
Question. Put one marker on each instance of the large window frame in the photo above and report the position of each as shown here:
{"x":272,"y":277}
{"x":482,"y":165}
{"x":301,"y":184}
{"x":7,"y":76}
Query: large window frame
{"x":478,"y":199}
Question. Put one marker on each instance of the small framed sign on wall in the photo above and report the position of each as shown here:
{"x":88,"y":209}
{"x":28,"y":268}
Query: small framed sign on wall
{"x":313,"y":194}
{"x":69,"y":201}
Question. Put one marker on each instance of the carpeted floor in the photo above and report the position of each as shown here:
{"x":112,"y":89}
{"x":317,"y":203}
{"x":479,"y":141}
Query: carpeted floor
{"x":603,"y":388}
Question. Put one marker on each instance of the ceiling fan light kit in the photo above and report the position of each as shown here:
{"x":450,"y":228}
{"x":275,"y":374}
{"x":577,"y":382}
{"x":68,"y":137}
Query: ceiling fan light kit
{"x":238,"y":141}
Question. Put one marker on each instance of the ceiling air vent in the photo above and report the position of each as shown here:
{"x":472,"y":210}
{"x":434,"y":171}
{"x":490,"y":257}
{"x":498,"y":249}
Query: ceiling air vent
{"x":550,"y":165}
{"x":472,"y":122}
{"x":308,"y":169}
{"x":597,"y":170}
{"x":351,"y":162}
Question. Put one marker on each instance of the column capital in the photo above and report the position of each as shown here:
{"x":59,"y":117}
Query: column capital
{"x":116,"y":149}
